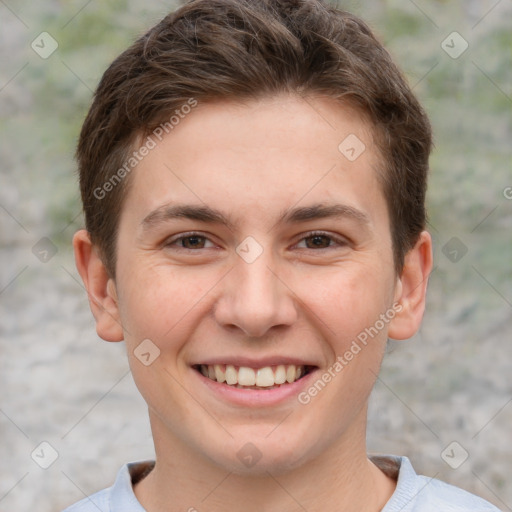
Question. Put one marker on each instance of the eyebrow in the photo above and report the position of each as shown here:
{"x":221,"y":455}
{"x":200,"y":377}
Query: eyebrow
{"x":203,"y":213}
{"x":322,"y":211}
{"x":183,"y":211}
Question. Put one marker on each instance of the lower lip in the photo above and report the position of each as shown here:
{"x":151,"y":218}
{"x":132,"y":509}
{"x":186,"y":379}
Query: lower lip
{"x":256,"y":397}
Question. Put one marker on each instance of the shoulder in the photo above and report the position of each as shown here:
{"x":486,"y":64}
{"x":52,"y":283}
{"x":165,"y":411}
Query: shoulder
{"x":94,"y":503}
{"x":417,"y":493}
{"x":120,"y":496}
{"x":439,"y":495}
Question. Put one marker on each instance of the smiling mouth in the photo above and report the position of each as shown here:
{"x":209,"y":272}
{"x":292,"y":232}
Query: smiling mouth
{"x":269,"y":377}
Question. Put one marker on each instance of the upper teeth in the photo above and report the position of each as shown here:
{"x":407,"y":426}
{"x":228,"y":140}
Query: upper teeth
{"x":244,"y":376}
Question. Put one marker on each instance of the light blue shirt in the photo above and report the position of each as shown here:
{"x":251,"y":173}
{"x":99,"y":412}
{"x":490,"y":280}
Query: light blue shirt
{"x":413,"y":493}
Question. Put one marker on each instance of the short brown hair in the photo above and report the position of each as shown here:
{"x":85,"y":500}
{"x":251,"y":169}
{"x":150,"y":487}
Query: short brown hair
{"x":209,"y":50}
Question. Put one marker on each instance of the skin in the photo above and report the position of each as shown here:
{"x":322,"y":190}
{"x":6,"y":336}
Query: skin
{"x":252,"y":161}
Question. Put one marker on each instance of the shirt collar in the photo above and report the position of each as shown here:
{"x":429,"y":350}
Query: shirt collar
{"x":122,"y":497}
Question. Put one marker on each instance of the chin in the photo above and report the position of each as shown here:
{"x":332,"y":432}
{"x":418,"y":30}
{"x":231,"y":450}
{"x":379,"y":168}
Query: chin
{"x":260,"y":456}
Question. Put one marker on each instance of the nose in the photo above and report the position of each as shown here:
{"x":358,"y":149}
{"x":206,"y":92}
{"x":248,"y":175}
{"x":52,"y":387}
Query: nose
{"x":255,"y":298}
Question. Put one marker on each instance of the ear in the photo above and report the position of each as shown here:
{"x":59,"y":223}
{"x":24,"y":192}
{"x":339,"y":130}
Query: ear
{"x":101,"y":288}
{"x":411,"y":289}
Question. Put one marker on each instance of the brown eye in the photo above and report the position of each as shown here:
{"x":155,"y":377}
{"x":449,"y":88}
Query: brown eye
{"x":318,"y":241}
{"x":193,"y":242}
{"x":321,"y":240}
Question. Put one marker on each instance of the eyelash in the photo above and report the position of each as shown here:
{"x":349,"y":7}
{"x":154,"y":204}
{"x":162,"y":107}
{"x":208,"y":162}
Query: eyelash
{"x":338,"y":240}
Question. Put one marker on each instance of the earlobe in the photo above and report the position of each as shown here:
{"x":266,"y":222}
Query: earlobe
{"x":411,"y":289}
{"x":101,"y":288}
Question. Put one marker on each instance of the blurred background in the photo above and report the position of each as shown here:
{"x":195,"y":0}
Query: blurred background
{"x":444,"y":398}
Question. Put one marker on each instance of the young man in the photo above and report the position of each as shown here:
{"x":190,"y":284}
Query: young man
{"x":253,"y":176}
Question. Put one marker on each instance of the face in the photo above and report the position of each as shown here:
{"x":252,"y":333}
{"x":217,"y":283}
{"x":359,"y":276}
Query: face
{"x":252,"y":249}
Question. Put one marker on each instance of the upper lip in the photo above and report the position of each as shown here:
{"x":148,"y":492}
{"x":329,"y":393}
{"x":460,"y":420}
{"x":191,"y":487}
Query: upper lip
{"x":255,"y":363}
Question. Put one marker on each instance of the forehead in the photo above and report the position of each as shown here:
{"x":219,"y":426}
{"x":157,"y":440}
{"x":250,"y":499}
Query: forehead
{"x":261,"y":157}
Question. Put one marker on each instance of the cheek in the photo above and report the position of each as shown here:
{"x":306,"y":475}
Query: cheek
{"x":159,"y":302}
{"x":347,"y":307}
{"x":346,"y":302}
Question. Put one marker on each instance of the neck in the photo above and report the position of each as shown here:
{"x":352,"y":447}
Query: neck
{"x":340,"y":479}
